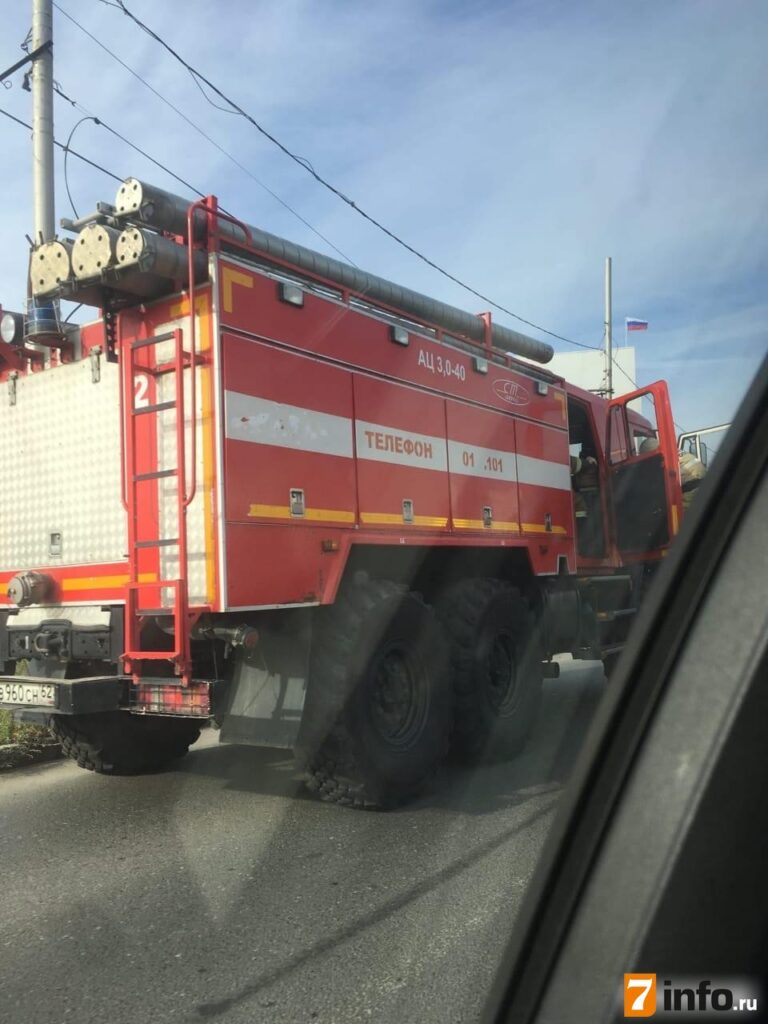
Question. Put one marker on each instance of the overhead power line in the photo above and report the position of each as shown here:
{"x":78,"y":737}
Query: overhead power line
{"x":67,"y":149}
{"x":67,"y":144}
{"x":85,"y":159}
{"x":200,"y":78}
{"x":88,"y":115}
{"x":638,"y":387}
{"x":621,"y":369}
{"x":200,"y":131}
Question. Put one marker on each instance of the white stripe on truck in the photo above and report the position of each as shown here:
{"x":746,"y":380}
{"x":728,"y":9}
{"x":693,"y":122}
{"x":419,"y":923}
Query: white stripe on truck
{"x":474,"y":460}
{"x":403,"y":447}
{"x":543,"y":473}
{"x":262,"y":421}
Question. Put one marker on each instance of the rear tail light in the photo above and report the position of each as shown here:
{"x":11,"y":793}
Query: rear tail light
{"x":193,"y":700}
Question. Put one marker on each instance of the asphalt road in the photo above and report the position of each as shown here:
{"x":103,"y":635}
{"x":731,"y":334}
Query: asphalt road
{"x":218,"y":892}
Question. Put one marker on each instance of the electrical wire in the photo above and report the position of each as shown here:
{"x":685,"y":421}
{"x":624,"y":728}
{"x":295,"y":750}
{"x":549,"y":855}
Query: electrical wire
{"x":203,"y":133}
{"x":66,"y":147}
{"x":621,"y":369}
{"x":85,"y":159}
{"x":88,"y":117}
{"x":103,"y":124}
{"x":119,"y":4}
{"x":637,"y":387}
{"x":224,"y":110}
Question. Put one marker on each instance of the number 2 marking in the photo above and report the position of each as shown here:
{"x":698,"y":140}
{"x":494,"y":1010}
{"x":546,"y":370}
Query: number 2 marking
{"x":140,"y":396}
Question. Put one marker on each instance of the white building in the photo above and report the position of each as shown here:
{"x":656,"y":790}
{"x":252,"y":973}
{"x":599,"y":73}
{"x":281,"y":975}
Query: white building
{"x":586,"y":369}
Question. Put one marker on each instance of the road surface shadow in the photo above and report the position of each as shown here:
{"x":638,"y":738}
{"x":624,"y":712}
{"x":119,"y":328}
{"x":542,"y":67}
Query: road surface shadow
{"x":568,"y":706}
{"x":215,"y":1008}
{"x":544,"y":765}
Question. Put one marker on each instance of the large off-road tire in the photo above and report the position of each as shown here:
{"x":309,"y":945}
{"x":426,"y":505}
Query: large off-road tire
{"x":117,"y":743}
{"x":378,"y":712}
{"x":496,"y":668}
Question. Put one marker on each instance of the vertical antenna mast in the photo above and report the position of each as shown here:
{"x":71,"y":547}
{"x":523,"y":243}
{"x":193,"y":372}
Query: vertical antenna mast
{"x":42,"y":123}
{"x":608,"y":330}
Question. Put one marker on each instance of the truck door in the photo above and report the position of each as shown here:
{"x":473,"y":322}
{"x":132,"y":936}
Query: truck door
{"x":644,"y":474}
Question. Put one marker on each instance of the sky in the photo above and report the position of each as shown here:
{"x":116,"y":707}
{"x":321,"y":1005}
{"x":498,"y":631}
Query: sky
{"x":515,"y":143}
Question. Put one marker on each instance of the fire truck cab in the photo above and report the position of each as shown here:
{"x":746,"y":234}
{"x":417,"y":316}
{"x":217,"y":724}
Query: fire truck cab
{"x":267,"y":491}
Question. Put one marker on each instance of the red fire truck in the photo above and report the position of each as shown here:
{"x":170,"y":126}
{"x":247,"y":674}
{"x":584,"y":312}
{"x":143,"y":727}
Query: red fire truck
{"x":270,"y":491}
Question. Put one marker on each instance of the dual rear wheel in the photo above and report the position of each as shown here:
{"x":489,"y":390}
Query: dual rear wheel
{"x":397,"y":685}
{"x":495,"y":669}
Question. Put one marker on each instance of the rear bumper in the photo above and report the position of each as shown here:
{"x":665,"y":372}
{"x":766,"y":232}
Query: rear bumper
{"x":85,"y":696}
{"x":93,"y":694}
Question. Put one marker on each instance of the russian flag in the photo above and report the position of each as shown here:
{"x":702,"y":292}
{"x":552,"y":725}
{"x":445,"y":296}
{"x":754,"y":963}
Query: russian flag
{"x":632,"y":324}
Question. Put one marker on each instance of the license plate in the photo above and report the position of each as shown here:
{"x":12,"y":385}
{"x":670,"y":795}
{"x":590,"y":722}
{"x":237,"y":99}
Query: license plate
{"x":31,"y":694}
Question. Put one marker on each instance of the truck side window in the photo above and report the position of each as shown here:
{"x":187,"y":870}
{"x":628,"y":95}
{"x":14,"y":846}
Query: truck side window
{"x":643,"y":428}
{"x":617,"y":436}
{"x":586,"y":482}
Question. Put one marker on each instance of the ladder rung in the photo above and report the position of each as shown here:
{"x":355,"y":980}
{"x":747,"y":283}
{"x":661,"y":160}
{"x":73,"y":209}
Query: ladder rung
{"x":155,"y":611}
{"x":151,"y":656}
{"x":163,"y":368}
{"x":170,"y":366}
{"x":157,"y":407}
{"x":161,"y":542}
{"x":158,"y":474}
{"x":154,"y":340}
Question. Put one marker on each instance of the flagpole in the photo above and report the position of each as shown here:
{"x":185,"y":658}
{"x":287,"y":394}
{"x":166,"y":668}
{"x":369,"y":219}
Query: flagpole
{"x":608,"y":328}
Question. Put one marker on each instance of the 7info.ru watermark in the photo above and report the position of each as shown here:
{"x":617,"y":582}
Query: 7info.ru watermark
{"x":651,"y":995}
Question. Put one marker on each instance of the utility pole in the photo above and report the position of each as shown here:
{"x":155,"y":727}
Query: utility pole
{"x":42,"y":123}
{"x":608,"y":329}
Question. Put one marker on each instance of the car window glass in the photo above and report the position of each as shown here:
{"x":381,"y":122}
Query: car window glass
{"x":642,"y":427}
{"x":617,"y":434}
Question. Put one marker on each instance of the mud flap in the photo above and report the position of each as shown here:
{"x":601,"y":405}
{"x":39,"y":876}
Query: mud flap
{"x":266,"y":693}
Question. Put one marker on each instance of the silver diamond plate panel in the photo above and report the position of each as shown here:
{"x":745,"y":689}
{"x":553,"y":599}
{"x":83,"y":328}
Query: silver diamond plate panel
{"x":60,"y":468}
{"x":60,"y":471}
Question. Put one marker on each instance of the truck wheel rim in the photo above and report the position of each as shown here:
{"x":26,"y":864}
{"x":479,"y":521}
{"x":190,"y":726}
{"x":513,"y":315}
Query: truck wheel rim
{"x":398,"y":696}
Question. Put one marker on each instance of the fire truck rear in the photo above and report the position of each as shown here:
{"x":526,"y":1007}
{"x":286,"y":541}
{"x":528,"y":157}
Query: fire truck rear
{"x":269,"y":491}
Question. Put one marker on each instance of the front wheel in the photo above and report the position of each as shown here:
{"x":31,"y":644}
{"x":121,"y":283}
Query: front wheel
{"x":118,"y":743}
{"x":377,"y":716}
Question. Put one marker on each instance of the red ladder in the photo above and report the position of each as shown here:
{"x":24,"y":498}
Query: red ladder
{"x":136,"y":501}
